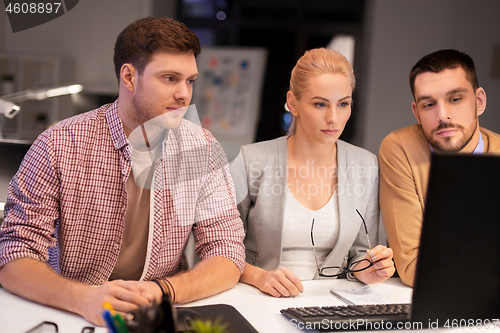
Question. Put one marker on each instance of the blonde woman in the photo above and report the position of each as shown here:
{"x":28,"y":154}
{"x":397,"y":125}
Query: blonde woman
{"x":303,"y":197}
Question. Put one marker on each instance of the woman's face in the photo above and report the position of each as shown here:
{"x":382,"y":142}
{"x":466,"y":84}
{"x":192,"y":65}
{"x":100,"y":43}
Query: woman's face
{"x":323,"y":109}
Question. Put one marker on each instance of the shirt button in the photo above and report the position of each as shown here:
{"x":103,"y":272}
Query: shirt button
{"x":124,"y":171}
{"x":116,"y":246}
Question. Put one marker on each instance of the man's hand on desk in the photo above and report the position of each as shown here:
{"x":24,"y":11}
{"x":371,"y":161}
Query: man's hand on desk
{"x":34,"y":280}
{"x":148,"y":289}
{"x":124,"y":296}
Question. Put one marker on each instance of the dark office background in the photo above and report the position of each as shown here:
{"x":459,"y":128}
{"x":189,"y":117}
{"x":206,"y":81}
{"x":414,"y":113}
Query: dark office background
{"x":390,"y":36}
{"x":286,"y":28}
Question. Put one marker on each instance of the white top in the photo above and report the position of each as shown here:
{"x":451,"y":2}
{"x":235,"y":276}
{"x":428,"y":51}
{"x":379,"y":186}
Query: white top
{"x":298,"y":254}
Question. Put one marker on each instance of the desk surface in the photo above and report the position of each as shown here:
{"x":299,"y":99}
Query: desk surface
{"x":263,"y":311}
{"x":17,"y":315}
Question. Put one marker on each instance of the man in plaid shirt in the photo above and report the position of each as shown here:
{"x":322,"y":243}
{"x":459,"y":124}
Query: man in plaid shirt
{"x":82,"y":227}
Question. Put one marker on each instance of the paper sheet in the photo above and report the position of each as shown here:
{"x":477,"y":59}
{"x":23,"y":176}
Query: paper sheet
{"x":362,"y":295}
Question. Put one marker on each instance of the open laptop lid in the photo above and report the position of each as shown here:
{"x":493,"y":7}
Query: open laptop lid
{"x":458,"y":268}
{"x":11,"y":156}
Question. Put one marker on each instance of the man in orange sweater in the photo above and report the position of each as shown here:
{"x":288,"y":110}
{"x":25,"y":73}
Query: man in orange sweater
{"x":447,"y":104}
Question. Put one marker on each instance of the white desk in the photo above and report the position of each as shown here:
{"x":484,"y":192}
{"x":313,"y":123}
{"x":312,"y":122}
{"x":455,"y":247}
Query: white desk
{"x":263,"y":311}
{"x":17,"y":315}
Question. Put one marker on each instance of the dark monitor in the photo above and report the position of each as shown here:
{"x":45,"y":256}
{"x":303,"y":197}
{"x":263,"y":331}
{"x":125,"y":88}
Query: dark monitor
{"x":11,"y":156}
{"x":458,"y":268}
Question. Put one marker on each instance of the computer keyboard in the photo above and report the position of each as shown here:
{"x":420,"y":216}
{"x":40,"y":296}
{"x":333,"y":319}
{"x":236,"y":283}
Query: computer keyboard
{"x":350,"y":317}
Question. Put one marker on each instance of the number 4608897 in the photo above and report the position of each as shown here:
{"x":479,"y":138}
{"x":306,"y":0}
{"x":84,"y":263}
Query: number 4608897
{"x":33,"y":8}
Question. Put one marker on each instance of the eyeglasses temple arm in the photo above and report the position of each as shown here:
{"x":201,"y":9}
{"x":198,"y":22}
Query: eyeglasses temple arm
{"x":366,"y":229}
{"x":312,"y":238}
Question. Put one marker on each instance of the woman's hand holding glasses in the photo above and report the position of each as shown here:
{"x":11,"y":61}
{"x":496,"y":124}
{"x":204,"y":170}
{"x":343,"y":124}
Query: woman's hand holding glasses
{"x":383,"y":265}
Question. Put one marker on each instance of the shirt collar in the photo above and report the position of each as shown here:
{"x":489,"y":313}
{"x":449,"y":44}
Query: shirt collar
{"x":116,"y":128}
{"x":479,"y":148}
{"x":480,"y":145}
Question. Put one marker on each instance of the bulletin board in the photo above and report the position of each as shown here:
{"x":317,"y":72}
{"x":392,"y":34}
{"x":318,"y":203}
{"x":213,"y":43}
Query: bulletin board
{"x":227,"y":93}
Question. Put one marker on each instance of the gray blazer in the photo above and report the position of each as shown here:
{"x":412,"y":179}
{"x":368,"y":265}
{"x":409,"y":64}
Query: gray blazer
{"x":260,"y":174}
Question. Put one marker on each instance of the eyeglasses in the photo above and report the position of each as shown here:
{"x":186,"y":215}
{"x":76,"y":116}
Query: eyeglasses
{"x":327,"y":271}
{"x":51,"y":327}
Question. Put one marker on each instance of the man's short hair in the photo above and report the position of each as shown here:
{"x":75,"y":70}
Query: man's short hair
{"x":441,"y":60}
{"x":141,"y":39}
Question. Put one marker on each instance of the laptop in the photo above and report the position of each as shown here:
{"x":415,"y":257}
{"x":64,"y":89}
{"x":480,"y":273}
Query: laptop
{"x":11,"y":156}
{"x":457,"y":280}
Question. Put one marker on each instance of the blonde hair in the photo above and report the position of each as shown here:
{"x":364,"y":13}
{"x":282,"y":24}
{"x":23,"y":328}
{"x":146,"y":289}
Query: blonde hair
{"x":315,"y":62}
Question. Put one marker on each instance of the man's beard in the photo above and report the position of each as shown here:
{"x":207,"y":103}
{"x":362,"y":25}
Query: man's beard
{"x":460,"y":144}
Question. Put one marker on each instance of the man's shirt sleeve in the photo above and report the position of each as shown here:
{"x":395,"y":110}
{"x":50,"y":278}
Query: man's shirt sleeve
{"x":400,"y":206}
{"x":218,"y":230}
{"x":32,"y":206}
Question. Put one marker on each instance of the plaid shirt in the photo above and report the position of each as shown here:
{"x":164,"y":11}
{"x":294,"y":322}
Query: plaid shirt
{"x":67,"y":202}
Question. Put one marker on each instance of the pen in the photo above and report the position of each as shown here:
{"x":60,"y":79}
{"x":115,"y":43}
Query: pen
{"x":120,"y":325}
{"x":109,"y":307}
{"x":109,"y":321}
{"x":116,"y":318}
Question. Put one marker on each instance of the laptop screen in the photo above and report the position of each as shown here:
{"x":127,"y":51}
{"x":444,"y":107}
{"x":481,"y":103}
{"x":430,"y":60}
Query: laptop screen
{"x":12,"y":154}
{"x":458,"y":268}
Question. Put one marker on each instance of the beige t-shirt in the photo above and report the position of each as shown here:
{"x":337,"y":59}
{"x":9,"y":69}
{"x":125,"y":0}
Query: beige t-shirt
{"x":130,"y":263}
{"x":132,"y":255}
